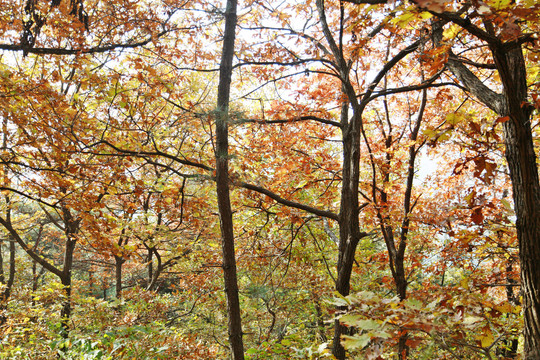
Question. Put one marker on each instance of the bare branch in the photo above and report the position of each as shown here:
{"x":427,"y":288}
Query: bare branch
{"x":290,"y":203}
{"x":296,"y":119}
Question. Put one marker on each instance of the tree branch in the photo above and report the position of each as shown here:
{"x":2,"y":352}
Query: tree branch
{"x":296,"y":119}
{"x":40,"y":260}
{"x":92,"y":50}
{"x":471,"y":82}
{"x":290,"y":203}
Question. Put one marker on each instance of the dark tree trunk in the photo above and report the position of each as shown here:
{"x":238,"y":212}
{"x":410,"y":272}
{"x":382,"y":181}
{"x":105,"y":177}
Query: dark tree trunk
{"x":509,"y":347}
{"x":11,"y":272}
{"x":520,"y":155}
{"x":521,"y":159}
{"x":118,"y":263}
{"x":155,"y":272}
{"x":150,"y":266}
{"x":523,"y":172}
{"x":65,"y":279}
{"x":34,"y":279}
{"x":11,"y":278}
{"x":349,"y":226}
{"x":222,"y":184}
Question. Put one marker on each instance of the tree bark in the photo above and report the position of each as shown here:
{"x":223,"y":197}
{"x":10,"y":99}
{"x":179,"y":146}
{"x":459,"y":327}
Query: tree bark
{"x":65,"y":279}
{"x":11,"y":272}
{"x":155,"y":272}
{"x":509,"y":347}
{"x":71,"y":229}
{"x":9,"y":283}
{"x":521,"y":159}
{"x":118,"y":263}
{"x":222,"y":184}
{"x":150,"y":266}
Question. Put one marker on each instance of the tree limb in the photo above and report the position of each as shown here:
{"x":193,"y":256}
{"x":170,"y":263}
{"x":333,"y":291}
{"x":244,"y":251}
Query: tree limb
{"x":290,"y":203}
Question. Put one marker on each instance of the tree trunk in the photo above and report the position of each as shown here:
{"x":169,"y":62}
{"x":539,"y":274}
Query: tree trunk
{"x":521,"y":158}
{"x":509,"y":347}
{"x":155,"y":272}
{"x":523,"y":172}
{"x":222,"y":184}
{"x":349,"y":227}
{"x":352,"y":128}
{"x":11,"y":272}
{"x":150,"y":266}
{"x":11,"y":278}
{"x":118,"y":263}
{"x":65,"y":279}
{"x":34,"y":279}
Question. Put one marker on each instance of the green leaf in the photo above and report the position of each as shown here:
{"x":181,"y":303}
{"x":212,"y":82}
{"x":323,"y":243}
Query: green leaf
{"x":354,"y":320}
{"x":471,"y":320}
{"x":355,"y":342}
{"x":507,"y":205}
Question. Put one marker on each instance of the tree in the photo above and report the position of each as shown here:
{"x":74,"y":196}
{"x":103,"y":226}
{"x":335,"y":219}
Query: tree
{"x":322,"y":119}
{"x":505,"y":40}
{"x":222,"y":183}
{"x":502,"y":28}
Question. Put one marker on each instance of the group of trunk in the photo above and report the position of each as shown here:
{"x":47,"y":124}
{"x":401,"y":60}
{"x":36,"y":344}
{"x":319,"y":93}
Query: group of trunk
{"x":512,"y":102}
{"x":520,"y":155}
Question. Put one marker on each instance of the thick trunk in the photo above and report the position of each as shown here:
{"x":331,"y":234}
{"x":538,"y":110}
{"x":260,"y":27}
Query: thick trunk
{"x":522,"y":164}
{"x":222,"y":185}
{"x":349,"y":227}
{"x":521,"y":159}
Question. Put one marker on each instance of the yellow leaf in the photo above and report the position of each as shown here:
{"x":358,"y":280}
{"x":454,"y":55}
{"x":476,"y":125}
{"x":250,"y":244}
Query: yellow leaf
{"x":504,"y":308}
{"x":486,"y":339}
{"x":453,"y":118}
{"x":451,"y":31}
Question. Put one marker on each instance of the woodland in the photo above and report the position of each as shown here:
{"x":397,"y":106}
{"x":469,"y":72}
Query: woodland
{"x":269,"y":179}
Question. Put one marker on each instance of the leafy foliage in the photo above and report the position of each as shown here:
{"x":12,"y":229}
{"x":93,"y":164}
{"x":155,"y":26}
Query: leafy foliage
{"x":369,"y":189}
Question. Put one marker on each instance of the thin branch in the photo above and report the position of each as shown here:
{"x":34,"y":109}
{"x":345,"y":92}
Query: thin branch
{"x":296,"y":119}
{"x":92,"y":50}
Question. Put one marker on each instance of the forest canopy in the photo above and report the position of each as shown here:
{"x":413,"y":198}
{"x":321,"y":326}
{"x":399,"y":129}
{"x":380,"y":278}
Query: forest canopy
{"x":317,"y":179}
